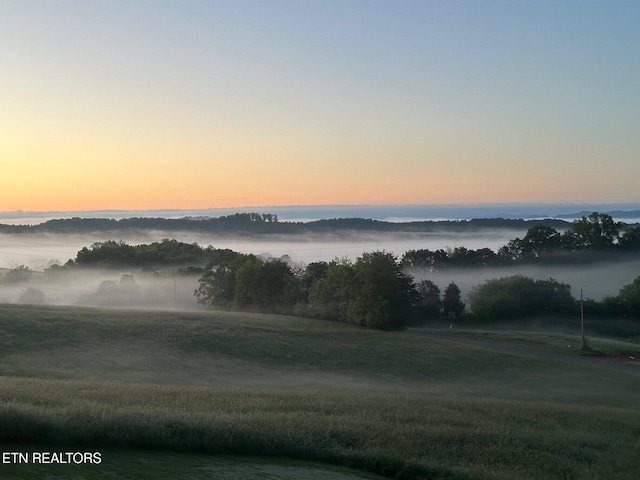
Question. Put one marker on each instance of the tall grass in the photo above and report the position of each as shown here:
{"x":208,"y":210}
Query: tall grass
{"x":399,"y":403}
{"x":408,"y":436}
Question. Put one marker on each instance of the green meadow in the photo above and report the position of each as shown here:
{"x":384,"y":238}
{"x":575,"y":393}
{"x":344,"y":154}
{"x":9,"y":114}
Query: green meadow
{"x":239,"y":395}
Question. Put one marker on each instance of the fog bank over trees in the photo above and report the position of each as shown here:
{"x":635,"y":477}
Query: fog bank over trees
{"x":377,"y":288}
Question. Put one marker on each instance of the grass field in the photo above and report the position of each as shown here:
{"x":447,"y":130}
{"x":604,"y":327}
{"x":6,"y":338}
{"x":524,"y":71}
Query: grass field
{"x":414,"y":404}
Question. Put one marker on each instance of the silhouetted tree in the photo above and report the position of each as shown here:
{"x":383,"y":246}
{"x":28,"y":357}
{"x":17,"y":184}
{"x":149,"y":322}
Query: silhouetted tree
{"x":217,"y":287}
{"x":630,"y":238}
{"x":311,"y":274}
{"x":452,"y":305}
{"x":330,"y":295}
{"x":629,"y":297}
{"x":428,"y":304}
{"x":421,"y":259}
{"x":383,"y":294}
{"x":262,"y":284}
{"x":541,"y":240}
{"x":513,"y":251}
{"x":598,"y":231}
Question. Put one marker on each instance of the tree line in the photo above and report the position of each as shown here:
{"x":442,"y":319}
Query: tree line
{"x":587,"y":239}
{"x":267,"y":223}
{"x":372,"y":291}
{"x":375,"y":292}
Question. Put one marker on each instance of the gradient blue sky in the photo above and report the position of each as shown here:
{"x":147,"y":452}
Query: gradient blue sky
{"x":197,"y":104}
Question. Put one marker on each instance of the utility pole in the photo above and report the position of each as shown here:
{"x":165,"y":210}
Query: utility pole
{"x":582,"y":319}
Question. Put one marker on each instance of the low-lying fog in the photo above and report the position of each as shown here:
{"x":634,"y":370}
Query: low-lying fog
{"x":134,"y":288}
{"x":131,"y":288}
{"x":596,"y":280}
{"x":38,"y":251}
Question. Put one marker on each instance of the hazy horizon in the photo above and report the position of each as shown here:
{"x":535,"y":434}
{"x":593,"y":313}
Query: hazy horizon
{"x":38,"y":251}
{"x":392,"y":213}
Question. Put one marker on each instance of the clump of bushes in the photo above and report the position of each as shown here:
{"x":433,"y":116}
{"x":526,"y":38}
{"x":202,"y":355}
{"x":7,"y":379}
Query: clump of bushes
{"x":518,"y":296}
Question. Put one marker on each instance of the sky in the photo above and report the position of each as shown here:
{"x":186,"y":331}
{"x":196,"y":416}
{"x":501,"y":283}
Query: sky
{"x":206,"y":104}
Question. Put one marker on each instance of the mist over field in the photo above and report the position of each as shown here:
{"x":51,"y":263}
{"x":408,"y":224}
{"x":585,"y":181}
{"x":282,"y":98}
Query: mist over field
{"x":120,"y":288}
{"x":133,"y":287}
{"x":39,"y":251}
{"x":162,"y":290}
{"x":596,"y":280}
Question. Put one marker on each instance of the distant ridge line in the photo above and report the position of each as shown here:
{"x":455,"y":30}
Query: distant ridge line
{"x":255,"y":223}
{"x":613,"y":213}
{"x":392,"y":213}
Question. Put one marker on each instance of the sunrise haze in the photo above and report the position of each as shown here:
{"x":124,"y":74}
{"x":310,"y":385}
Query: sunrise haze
{"x":195,"y":104}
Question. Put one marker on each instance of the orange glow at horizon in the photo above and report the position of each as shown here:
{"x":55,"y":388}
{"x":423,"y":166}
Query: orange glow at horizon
{"x":131,"y":187}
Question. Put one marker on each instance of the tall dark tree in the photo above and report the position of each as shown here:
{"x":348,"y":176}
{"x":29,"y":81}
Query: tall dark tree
{"x":421,"y":259}
{"x":330,"y":295}
{"x":262,"y":285}
{"x":513,"y":252}
{"x":630,"y":298}
{"x":452,"y":305}
{"x":630,"y":238}
{"x":540,"y":240}
{"x":384,"y":294}
{"x":428,"y":304}
{"x":312,"y":273}
{"x":217,"y":286}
